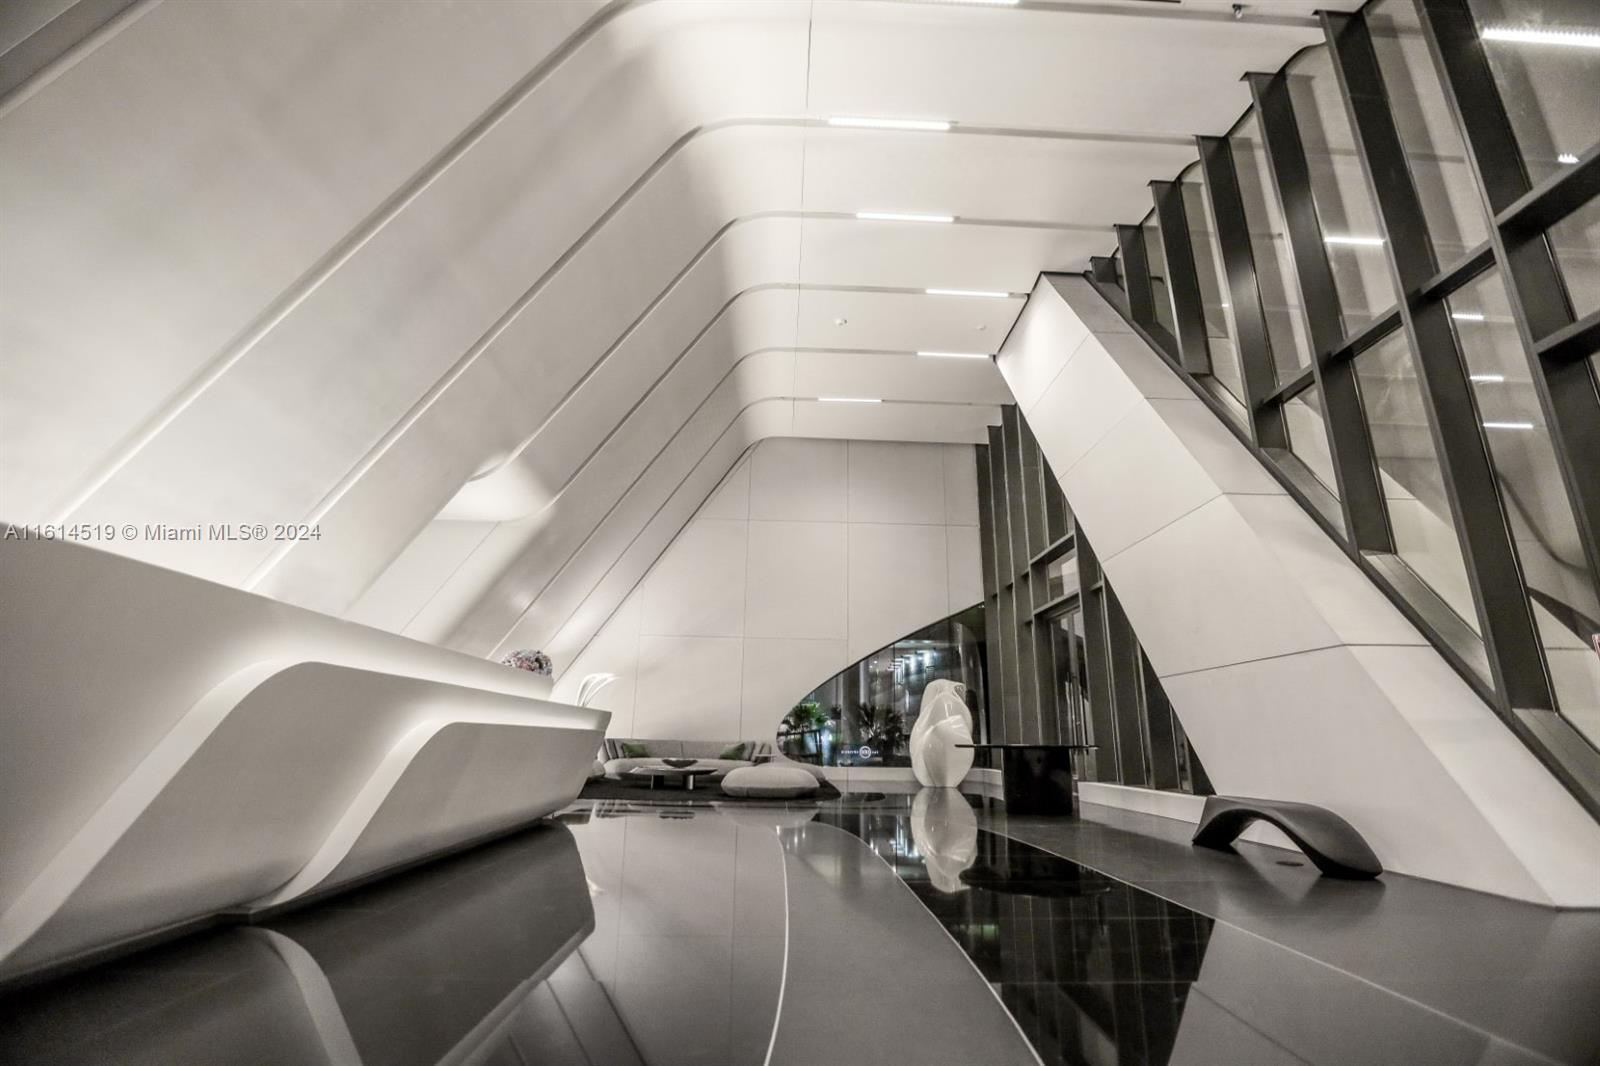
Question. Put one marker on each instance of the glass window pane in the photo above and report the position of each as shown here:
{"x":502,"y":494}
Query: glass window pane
{"x":1280,"y":293}
{"x":1543,"y":85}
{"x":1565,"y":602}
{"x":1213,"y":297}
{"x":1413,"y":484}
{"x":1308,"y":436}
{"x":1151,"y":230}
{"x":1433,"y":146}
{"x":1576,"y":241}
{"x":1345,"y":209}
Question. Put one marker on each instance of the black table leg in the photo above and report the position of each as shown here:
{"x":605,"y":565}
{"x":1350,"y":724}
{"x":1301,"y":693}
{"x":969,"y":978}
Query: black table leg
{"x":1038,"y":780}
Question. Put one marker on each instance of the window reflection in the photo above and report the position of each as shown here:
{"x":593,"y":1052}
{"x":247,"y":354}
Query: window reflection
{"x":1213,"y":292}
{"x":1413,"y":484}
{"x":1280,"y":293}
{"x":1308,"y":439}
{"x":1576,"y":241}
{"x":1555,"y":118}
{"x":1156,"y":256}
{"x":1564,"y":600}
{"x":1435,"y":153}
{"x":863,"y":715}
{"x":1345,"y":209}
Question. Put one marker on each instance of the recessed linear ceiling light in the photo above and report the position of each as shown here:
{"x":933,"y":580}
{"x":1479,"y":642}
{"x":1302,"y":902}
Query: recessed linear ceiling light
{"x":1508,"y":425}
{"x":969,"y":292}
{"x":1487,"y":379}
{"x":1528,"y":35}
{"x":1568,"y":158}
{"x":846,"y":399}
{"x":900,"y":216}
{"x":954,"y":355}
{"x":1362,"y":242}
{"x":931,"y":125}
{"x":1466,"y":316}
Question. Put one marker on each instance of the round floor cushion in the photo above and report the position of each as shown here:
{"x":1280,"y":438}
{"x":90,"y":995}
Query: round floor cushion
{"x":769,"y":781}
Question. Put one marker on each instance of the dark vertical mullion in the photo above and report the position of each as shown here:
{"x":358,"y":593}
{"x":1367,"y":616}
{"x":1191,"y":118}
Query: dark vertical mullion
{"x":1102,"y":718}
{"x":1123,"y":649}
{"x":1136,"y":275}
{"x":1253,"y":342}
{"x":1104,"y":270}
{"x":1366,"y":519}
{"x":1004,"y":664}
{"x":1021,"y":589}
{"x":991,"y":727}
{"x":1505,"y":616}
{"x":1183,"y":282}
{"x":1566,"y":390}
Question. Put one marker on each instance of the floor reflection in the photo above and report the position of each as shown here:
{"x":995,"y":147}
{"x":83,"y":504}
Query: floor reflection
{"x":633,"y":934}
{"x":1094,"y":971}
{"x":427,"y":967}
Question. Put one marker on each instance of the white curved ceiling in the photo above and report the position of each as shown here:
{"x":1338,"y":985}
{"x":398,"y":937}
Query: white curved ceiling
{"x":496,"y":292}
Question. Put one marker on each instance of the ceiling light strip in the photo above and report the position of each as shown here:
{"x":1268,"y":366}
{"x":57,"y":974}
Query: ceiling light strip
{"x":954,"y":355}
{"x":1531,"y":35}
{"x":847,"y":399}
{"x":979,"y":293}
{"x":1360,"y":242}
{"x":901,"y":216}
{"x":925,"y":124}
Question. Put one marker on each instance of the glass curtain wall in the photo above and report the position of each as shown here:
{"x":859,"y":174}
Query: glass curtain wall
{"x":1420,"y":227}
{"x":863,"y":715}
{"x":1066,"y":666}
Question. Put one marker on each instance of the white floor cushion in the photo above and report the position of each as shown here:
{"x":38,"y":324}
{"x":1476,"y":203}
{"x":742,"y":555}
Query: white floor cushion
{"x":769,"y":781}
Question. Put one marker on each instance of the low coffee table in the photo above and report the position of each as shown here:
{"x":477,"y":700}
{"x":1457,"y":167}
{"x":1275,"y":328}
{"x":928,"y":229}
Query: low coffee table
{"x":661,"y":772}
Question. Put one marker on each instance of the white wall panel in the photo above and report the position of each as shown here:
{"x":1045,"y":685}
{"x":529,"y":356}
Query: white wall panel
{"x":960,"y":486}
{"x":893,"y":482}
{"x":800,"y":480}
{"x":1293,"y":677}
{"x":964,"y":567}
{"x":898,"y":582}
{"x":1138,"y":461}
{"x":732,"y":498}
{"x":806,"y":597}
{"x":698,"y":590}
{"x":777,"y":672}
{"x":689,"y":687}
{"x":798,"y":576}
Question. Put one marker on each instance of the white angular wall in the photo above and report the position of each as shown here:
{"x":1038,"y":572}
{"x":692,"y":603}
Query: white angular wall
{"x":810,"y":555}
{"x":1294,"y":677}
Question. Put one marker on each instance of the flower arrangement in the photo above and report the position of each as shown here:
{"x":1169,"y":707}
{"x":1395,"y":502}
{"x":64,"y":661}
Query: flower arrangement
{"x":531,"y":660}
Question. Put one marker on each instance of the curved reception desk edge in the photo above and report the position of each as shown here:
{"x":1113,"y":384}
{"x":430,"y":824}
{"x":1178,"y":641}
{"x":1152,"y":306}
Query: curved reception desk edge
{"x":175,"y":750}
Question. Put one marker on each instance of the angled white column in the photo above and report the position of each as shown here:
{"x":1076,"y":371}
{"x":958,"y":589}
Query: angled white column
{"x":1293,"y":676}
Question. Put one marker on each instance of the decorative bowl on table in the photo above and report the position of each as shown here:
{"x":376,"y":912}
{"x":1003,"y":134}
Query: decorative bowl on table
{"x":679,"y":764}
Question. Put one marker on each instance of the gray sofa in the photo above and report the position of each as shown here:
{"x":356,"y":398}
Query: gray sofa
{"x":705,"y":752}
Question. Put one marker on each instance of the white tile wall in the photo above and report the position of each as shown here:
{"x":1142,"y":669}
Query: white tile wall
{"x":960,"y":486}
{"x":794,"y":478}
{"x":809,"y":555}
{"x":898,"y":582}
{"x":698,"y":588}
{"x":797,"y":580}
{"x":895,"y":482}
{"x":689,"y":687}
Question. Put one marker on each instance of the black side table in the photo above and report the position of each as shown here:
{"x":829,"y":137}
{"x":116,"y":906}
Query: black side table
{"x":1038,"y":777}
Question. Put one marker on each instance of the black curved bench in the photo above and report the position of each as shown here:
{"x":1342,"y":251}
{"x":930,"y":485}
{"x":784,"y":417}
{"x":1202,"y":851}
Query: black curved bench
{"x":1328,"y":840}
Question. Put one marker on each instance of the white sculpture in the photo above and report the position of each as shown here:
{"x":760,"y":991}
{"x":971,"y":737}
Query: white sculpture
{"x":591,"y":686}
{"x":943,"y":723}
{"x":946,"y":833}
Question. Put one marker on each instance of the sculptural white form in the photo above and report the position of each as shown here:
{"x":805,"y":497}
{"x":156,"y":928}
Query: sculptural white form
{"x":943,"y":723}
{"x":945,"y":830}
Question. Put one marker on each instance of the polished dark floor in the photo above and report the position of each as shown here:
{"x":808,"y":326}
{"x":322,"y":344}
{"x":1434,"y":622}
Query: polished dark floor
{"x":875,"y":930}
